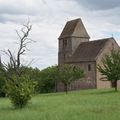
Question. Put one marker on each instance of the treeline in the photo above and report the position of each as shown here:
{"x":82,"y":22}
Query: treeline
{"x":47,"y":78}
{"x":43,"y":85}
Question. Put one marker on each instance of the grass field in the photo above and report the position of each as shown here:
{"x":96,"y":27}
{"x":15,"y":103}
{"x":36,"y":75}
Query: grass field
{"x":79,"y":105}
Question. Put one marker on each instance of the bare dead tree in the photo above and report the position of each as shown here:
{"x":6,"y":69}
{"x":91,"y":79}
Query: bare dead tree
{"x":14,"y":63}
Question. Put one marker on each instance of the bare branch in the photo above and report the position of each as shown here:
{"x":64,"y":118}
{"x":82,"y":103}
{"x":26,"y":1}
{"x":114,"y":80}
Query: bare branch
{"x":30,"y":62}
{"x":24,"y":40}
{"x":18,"y":34}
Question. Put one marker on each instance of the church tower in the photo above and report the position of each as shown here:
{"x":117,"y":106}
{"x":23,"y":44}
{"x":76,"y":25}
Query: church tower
{"x":72,"y":35}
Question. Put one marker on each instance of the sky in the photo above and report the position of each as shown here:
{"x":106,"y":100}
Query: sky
{"x":48,"y":17}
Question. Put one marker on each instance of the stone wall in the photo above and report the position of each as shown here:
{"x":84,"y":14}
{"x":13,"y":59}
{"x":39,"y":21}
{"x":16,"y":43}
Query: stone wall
{"x":88,"y":82}
{"x":106,"y":50}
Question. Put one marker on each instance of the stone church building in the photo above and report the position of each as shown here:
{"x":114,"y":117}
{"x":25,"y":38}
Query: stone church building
{"x":76,"y":48}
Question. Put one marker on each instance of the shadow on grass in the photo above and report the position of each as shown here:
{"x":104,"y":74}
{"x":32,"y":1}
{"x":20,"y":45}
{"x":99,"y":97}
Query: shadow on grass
{"x":6,"y":109}
{"x":53,"y":94}
{"x":81,"y":92}
{"x":105,"y":92}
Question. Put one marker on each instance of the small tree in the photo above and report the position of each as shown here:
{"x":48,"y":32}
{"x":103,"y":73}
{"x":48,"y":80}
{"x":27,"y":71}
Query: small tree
{"x":19,"y":87}
{"x":68,"y":74}
{"x":110,"y":67}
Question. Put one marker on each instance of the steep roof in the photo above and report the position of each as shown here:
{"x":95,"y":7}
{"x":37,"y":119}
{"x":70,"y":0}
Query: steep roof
{"x":88,"y":51}
{"x":70,"y":28}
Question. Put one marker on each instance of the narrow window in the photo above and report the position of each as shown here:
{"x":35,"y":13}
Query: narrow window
{"x":64,"y":56}
{"x":89,"y":67}
{"x":64,"y":44}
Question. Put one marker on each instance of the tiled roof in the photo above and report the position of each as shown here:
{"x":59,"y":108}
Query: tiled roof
{"x":88,"y":51}
{"x":70,"y":28}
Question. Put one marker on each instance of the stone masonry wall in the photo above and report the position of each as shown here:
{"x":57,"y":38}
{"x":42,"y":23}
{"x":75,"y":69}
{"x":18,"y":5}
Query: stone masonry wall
{"x":107,"y":50}
{"x":88,"y":82}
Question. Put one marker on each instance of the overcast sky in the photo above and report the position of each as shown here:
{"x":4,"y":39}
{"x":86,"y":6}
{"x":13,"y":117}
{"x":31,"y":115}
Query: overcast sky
{"x":48,"y":17}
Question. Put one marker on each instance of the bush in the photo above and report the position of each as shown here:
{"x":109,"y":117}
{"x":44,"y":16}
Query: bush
{"x":2,"y":82}
{"x":20,"y":90}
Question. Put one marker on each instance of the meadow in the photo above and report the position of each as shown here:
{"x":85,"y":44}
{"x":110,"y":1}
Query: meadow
{"x":77,"y":105}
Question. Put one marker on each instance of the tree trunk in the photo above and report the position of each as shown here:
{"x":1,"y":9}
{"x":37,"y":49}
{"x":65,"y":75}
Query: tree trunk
{"x":116,"y":85}
{"x":56,"y":86}
{"x":66,"y":88}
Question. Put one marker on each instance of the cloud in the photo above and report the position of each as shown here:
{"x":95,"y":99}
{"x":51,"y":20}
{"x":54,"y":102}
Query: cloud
{"x":99,"y":5}
{"x":48,"y":17}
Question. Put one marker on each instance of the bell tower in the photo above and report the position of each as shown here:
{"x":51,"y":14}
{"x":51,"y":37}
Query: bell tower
{"x":72,"y":35}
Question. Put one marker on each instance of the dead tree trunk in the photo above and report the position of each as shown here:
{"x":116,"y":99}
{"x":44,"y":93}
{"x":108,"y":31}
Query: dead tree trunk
{"x":14,"y":64}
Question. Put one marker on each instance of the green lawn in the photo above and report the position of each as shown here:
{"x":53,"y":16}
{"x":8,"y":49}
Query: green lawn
{"x":79,"y":105}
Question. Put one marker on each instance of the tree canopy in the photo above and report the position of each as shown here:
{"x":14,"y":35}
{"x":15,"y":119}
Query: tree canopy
{"x":69,"y":73}
{"x":110,"y":67}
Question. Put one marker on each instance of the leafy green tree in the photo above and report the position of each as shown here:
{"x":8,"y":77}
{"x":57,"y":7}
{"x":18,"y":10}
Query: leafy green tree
{"x":48,"y":79}
{"x":110,"y":67}
{"x":68,"y":74}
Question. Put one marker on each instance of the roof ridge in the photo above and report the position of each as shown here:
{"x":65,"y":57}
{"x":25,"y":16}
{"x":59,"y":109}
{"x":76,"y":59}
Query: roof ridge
{"x":104,"y":38}
{"x":97,"y":40}
{"x":74,"y":20}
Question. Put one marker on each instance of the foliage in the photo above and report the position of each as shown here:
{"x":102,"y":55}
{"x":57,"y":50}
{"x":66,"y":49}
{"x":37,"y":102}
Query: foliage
{"x":69,"y":73}
{"x":111,"y":67}
{"x":48,"y":79}
{"x":45,"y":78}
{"x":20,"y":90}
{"x":34,"y":75}
{"x":2,"y":82}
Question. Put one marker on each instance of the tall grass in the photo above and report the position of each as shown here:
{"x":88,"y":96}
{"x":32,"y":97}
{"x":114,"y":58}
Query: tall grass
{"x":79,"y":105}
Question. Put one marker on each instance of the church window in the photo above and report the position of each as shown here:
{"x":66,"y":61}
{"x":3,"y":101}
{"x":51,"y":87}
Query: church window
{"x":89,"y":67}
{"x":64,"y":44}
{"x":64,"y":56}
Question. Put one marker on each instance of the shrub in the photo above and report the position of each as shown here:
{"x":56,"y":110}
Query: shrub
{"x":20,"y":90}
{"x":2,"y":82}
